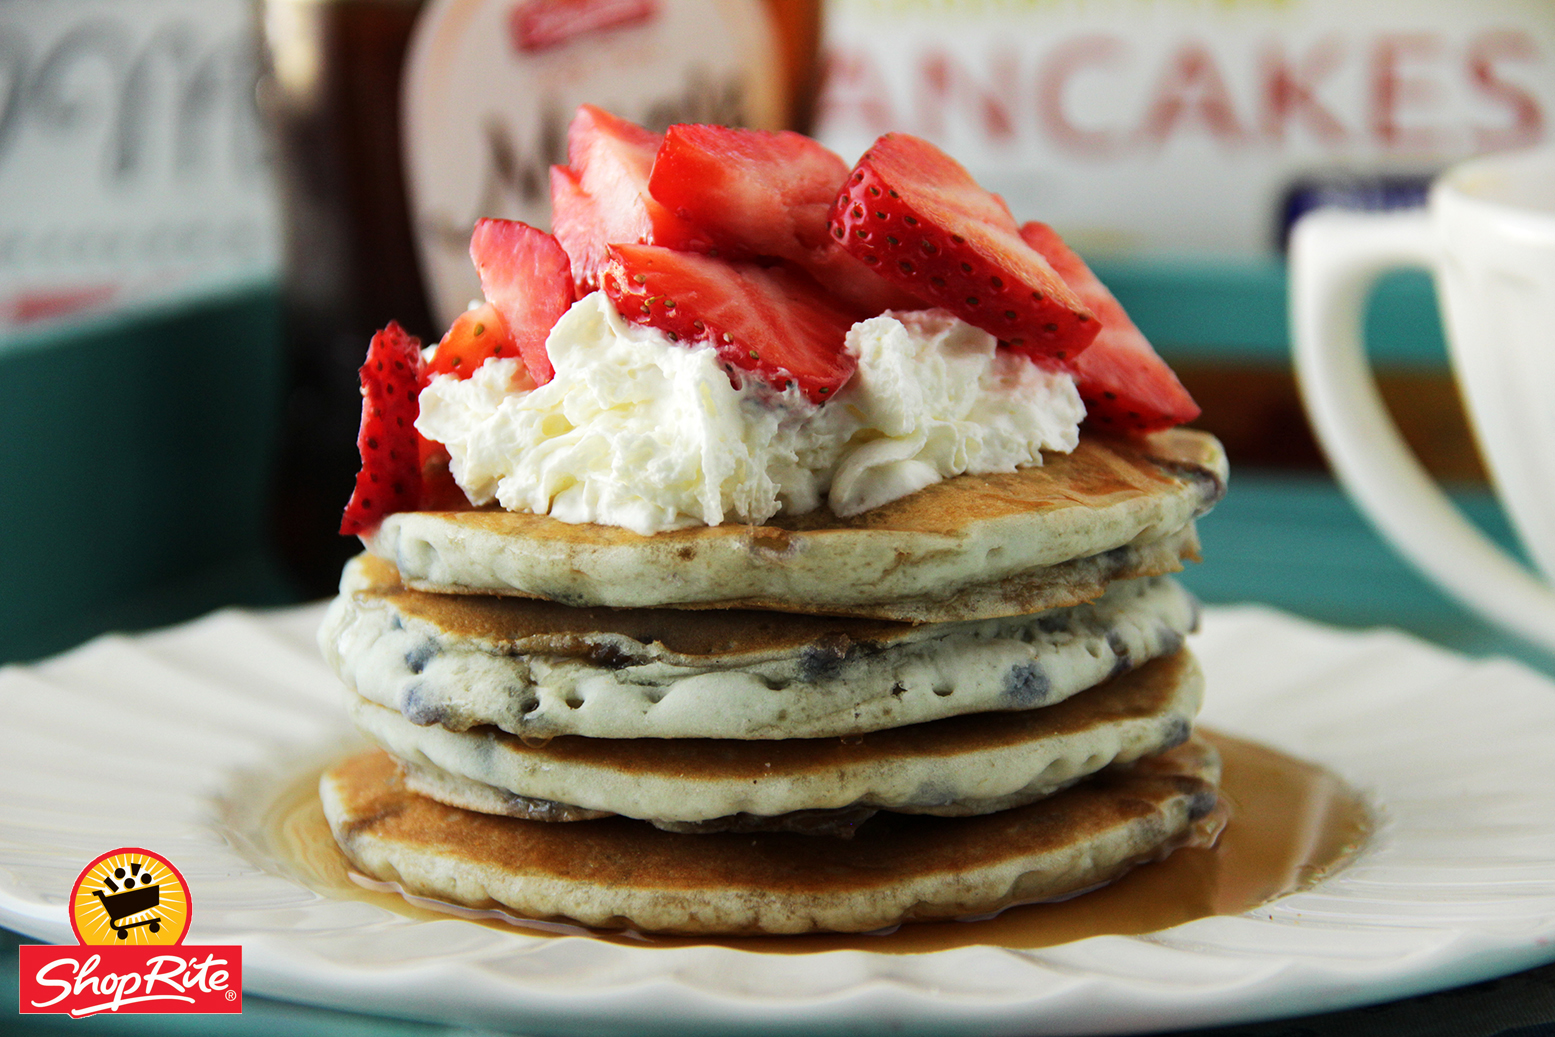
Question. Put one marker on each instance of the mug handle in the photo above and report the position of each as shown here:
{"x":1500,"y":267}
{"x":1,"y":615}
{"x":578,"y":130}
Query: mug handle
{"x":1335,"y":260}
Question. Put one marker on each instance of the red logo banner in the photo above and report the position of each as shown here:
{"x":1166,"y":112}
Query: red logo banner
{"x":85,"y":980}
{"x":130,"y":909}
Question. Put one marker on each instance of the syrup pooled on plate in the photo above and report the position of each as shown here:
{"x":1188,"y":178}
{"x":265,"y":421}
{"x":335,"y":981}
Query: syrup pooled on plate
{"x":1290,"y":823}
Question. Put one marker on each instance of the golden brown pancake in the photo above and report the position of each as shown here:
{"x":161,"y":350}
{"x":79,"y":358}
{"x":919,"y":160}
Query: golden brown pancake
{"x":964,"y":765}
{"x":615,"y":873}
{"x":968,"y":547}
{"x":540,"y":669}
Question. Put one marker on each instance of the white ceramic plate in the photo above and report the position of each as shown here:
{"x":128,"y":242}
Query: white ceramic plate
{"x":171,"y":740}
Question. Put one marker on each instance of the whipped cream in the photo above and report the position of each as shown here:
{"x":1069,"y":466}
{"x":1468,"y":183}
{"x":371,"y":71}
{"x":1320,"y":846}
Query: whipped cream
{"x":641,"y":432}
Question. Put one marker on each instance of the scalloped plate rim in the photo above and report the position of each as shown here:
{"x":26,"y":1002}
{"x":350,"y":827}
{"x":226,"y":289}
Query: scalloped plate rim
{"x":450,"y":988}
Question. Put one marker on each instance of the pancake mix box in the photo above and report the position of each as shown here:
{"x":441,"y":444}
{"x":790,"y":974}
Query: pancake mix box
{"x":1165,"y":128}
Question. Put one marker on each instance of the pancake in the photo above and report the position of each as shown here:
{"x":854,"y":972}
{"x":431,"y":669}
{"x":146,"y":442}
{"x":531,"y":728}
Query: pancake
{"x":615,"y":873}
{"x":539,"y":669}
{"x":959,"y":766}
{"x":969,"y":546}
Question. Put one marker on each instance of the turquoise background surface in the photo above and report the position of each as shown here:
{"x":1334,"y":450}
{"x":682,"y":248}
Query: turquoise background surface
{"x":1237,"y":312}
{"x":135,"y":454}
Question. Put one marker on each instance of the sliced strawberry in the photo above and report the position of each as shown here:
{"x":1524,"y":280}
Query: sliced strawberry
{"x":851,"y":280}
{"x":919,"y":220}
{"x":1125,"y":385}
{"x":390,"y":479}
{"x":776,"y":324}
{"x":526,"y":276}
{"x":575,"y":222}
{"x":439,"y":491}
{"x":755,"y":192}
{"x":594,"y":132}
{"x":476,"y":336}
{"x":763,"y":193}
{"x":601,"y":197}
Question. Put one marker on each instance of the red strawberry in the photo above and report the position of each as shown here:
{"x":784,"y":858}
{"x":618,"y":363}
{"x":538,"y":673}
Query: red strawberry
{"x":390,"y":479}
{"x":1125,"y":385}
{"x":919,"y":220}
{"x":755,"y":192}
{"x":848,"y":278}
{"x":526,"y":276}
{"x":763,"y":193}
{"x":775,"y":323}
{"x":439,"y":492}
{"x":575,"y":222}
{"x":476,"y":336}
{"x":601,"y":197}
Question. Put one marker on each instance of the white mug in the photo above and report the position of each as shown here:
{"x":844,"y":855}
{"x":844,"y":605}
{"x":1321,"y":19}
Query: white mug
{"x":1488,"y":235}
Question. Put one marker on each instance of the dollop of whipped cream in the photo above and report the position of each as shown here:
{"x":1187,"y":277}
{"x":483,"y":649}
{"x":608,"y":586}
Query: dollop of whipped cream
{"x":648,"y":434}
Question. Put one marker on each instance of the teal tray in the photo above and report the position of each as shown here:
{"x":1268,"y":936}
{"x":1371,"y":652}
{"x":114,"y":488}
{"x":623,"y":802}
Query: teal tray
{"x":136,"y":454}
{"x":1237,"y":313}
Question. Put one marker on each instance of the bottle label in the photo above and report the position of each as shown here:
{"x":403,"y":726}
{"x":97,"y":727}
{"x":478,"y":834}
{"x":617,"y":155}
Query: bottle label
{"x":1174,"y":127}
{"x":491,"y":86}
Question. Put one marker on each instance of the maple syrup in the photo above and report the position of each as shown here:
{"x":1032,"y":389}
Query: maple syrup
{"x":1290,"y":823}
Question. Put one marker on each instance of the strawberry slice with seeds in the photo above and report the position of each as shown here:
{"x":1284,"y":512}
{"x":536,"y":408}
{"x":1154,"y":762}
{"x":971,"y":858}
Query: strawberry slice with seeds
{"x":601,"y":196}
{"x":390,"y":479}
{"x":476,"y":336}
{"x":755,"y":192}
{"x":921,"y":222}
{"x":765,"y":193}
{"x":527,"y":278}
{"x":862,"y":290}
{"x":775,"y":323}
{"x":1125,"y":385}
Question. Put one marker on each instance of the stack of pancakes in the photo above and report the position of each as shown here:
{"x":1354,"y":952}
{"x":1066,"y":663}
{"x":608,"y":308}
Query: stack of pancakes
{"x":971,"y":697}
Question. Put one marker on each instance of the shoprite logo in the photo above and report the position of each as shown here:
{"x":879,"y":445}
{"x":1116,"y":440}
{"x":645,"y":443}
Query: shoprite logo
{"x":129,"y":894}
{"x":130,"y":909}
